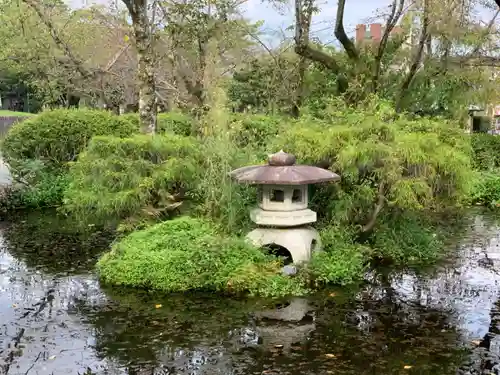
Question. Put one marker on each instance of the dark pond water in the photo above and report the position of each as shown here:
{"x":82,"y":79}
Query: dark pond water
{"x":55,"y":319}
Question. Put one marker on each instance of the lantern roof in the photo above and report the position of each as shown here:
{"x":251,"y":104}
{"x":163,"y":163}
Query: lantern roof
{"x":282,"y":170}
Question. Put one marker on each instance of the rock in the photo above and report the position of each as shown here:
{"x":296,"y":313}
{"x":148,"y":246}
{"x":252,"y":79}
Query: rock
{"x":289,"y":270}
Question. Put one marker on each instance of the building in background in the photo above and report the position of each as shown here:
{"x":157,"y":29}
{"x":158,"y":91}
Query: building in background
{"x":373,"y":33}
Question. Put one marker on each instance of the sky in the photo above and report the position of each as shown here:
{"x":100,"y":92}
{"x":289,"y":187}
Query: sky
{"x":277,"y":21}
{"x":257,"y":10}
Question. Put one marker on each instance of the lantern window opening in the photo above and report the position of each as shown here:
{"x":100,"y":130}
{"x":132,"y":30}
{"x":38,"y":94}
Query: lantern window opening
{"x":277,"y":195}
{"x":297,"y":196}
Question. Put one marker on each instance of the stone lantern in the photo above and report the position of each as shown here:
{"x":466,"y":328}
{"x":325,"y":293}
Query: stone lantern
{"x":282,"y":214}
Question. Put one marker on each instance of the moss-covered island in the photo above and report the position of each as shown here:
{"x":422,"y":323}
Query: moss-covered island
{"x":181,"y":221}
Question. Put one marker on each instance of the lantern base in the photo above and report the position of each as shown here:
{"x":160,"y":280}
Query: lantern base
{"x":293,"y":218}
{"x":299,"y":241}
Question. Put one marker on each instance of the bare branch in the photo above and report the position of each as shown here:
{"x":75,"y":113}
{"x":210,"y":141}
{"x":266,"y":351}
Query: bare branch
{"x":57,"y":39}
{"x":417,"y":57}
{"x":392,"y":20}
{"x":303,"y":15}
{"x":376,"y":210}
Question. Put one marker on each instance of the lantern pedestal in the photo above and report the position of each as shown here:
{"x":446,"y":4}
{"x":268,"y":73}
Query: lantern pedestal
{"x":299,"y":241}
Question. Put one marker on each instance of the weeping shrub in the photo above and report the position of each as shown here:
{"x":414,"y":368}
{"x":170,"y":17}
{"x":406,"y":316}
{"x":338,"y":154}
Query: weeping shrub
{"x":131,"y":179}
{"x":191,"y":254}
{"x":408,"y":238}
{"x":385,"y":160}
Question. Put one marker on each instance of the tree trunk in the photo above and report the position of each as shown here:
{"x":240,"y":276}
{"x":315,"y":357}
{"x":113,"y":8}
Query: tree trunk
{"x":138,"y":10}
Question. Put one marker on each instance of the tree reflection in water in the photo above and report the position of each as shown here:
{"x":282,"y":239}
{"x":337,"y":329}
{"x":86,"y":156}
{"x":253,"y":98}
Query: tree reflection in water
{"x":406,"y":321}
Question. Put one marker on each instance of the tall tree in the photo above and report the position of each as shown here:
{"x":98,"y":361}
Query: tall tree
{"x":143,"y":33}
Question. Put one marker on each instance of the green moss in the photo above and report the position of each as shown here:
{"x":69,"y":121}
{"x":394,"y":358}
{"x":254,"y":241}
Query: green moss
{"x":189,"y":254}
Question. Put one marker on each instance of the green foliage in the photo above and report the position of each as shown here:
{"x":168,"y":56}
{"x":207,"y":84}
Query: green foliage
{"x":342,"y":261}
{"x":131,"y":178}
{"x":57,"y":137}
{"x":189,"y":254}
{"x":255,"y":130}
{"x":408,"y":238}
{"x":45,"y":188}
{"x":218,"y":196}
{"x":486,"y":151}
{"x":265,"y":85}
{"x":47,"y":191}
{"x":385,"y":160}
{"x":486,"y":189}
{"x":173,"y":122}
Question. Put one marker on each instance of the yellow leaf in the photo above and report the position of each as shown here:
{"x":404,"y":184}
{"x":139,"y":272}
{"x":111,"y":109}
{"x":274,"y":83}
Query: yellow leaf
{"x":52,"y":357}
{"x":330,"y":355}
{"x":476,"y":342}
{"x":333,"y":294}
{"x":126,"y":38}
{"x":158,"y":306}
{"x":407,"y":367}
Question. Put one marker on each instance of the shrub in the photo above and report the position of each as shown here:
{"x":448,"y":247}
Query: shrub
{"x":45,"y":188}
{"x":189,"y":254}
{"x":177,"y":123}
{"x":386,"y":161}
{"x":408,"y":238}
{"x":486,"y":151}
{"x":131,"y":179}
{"x":342,"y":261}
{"x":57,"y":137}
{"x":486,"y":189}
{"x":255,"y":130}
{"x":172,"y":122}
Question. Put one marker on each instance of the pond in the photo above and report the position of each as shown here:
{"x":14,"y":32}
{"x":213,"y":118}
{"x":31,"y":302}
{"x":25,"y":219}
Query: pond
{"x":56,"y":319}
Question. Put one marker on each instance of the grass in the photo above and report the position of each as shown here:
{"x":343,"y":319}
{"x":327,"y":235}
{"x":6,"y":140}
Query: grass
{"x":4,"y":113}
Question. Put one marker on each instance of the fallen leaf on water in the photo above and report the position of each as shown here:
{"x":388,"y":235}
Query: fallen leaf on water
{"x":52,"y":357}
{"x":278,"y":346}
{"x":407,"y":367}
{"x":333,"y":294}
{"x":330,"y":355}
{"x":476,"y":342}
{"x":14,"y":305}
{"x":158,"y":306}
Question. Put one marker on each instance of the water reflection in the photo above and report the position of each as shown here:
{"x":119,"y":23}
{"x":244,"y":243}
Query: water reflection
{"x":55,"y":318}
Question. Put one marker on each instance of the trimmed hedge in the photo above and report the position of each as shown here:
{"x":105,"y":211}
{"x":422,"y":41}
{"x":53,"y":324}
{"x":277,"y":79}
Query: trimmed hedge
{"x":57,"y":137}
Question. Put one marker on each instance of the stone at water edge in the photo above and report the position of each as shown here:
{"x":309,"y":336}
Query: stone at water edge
{"x":5,"y":178}
{"x":289,"y":270}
